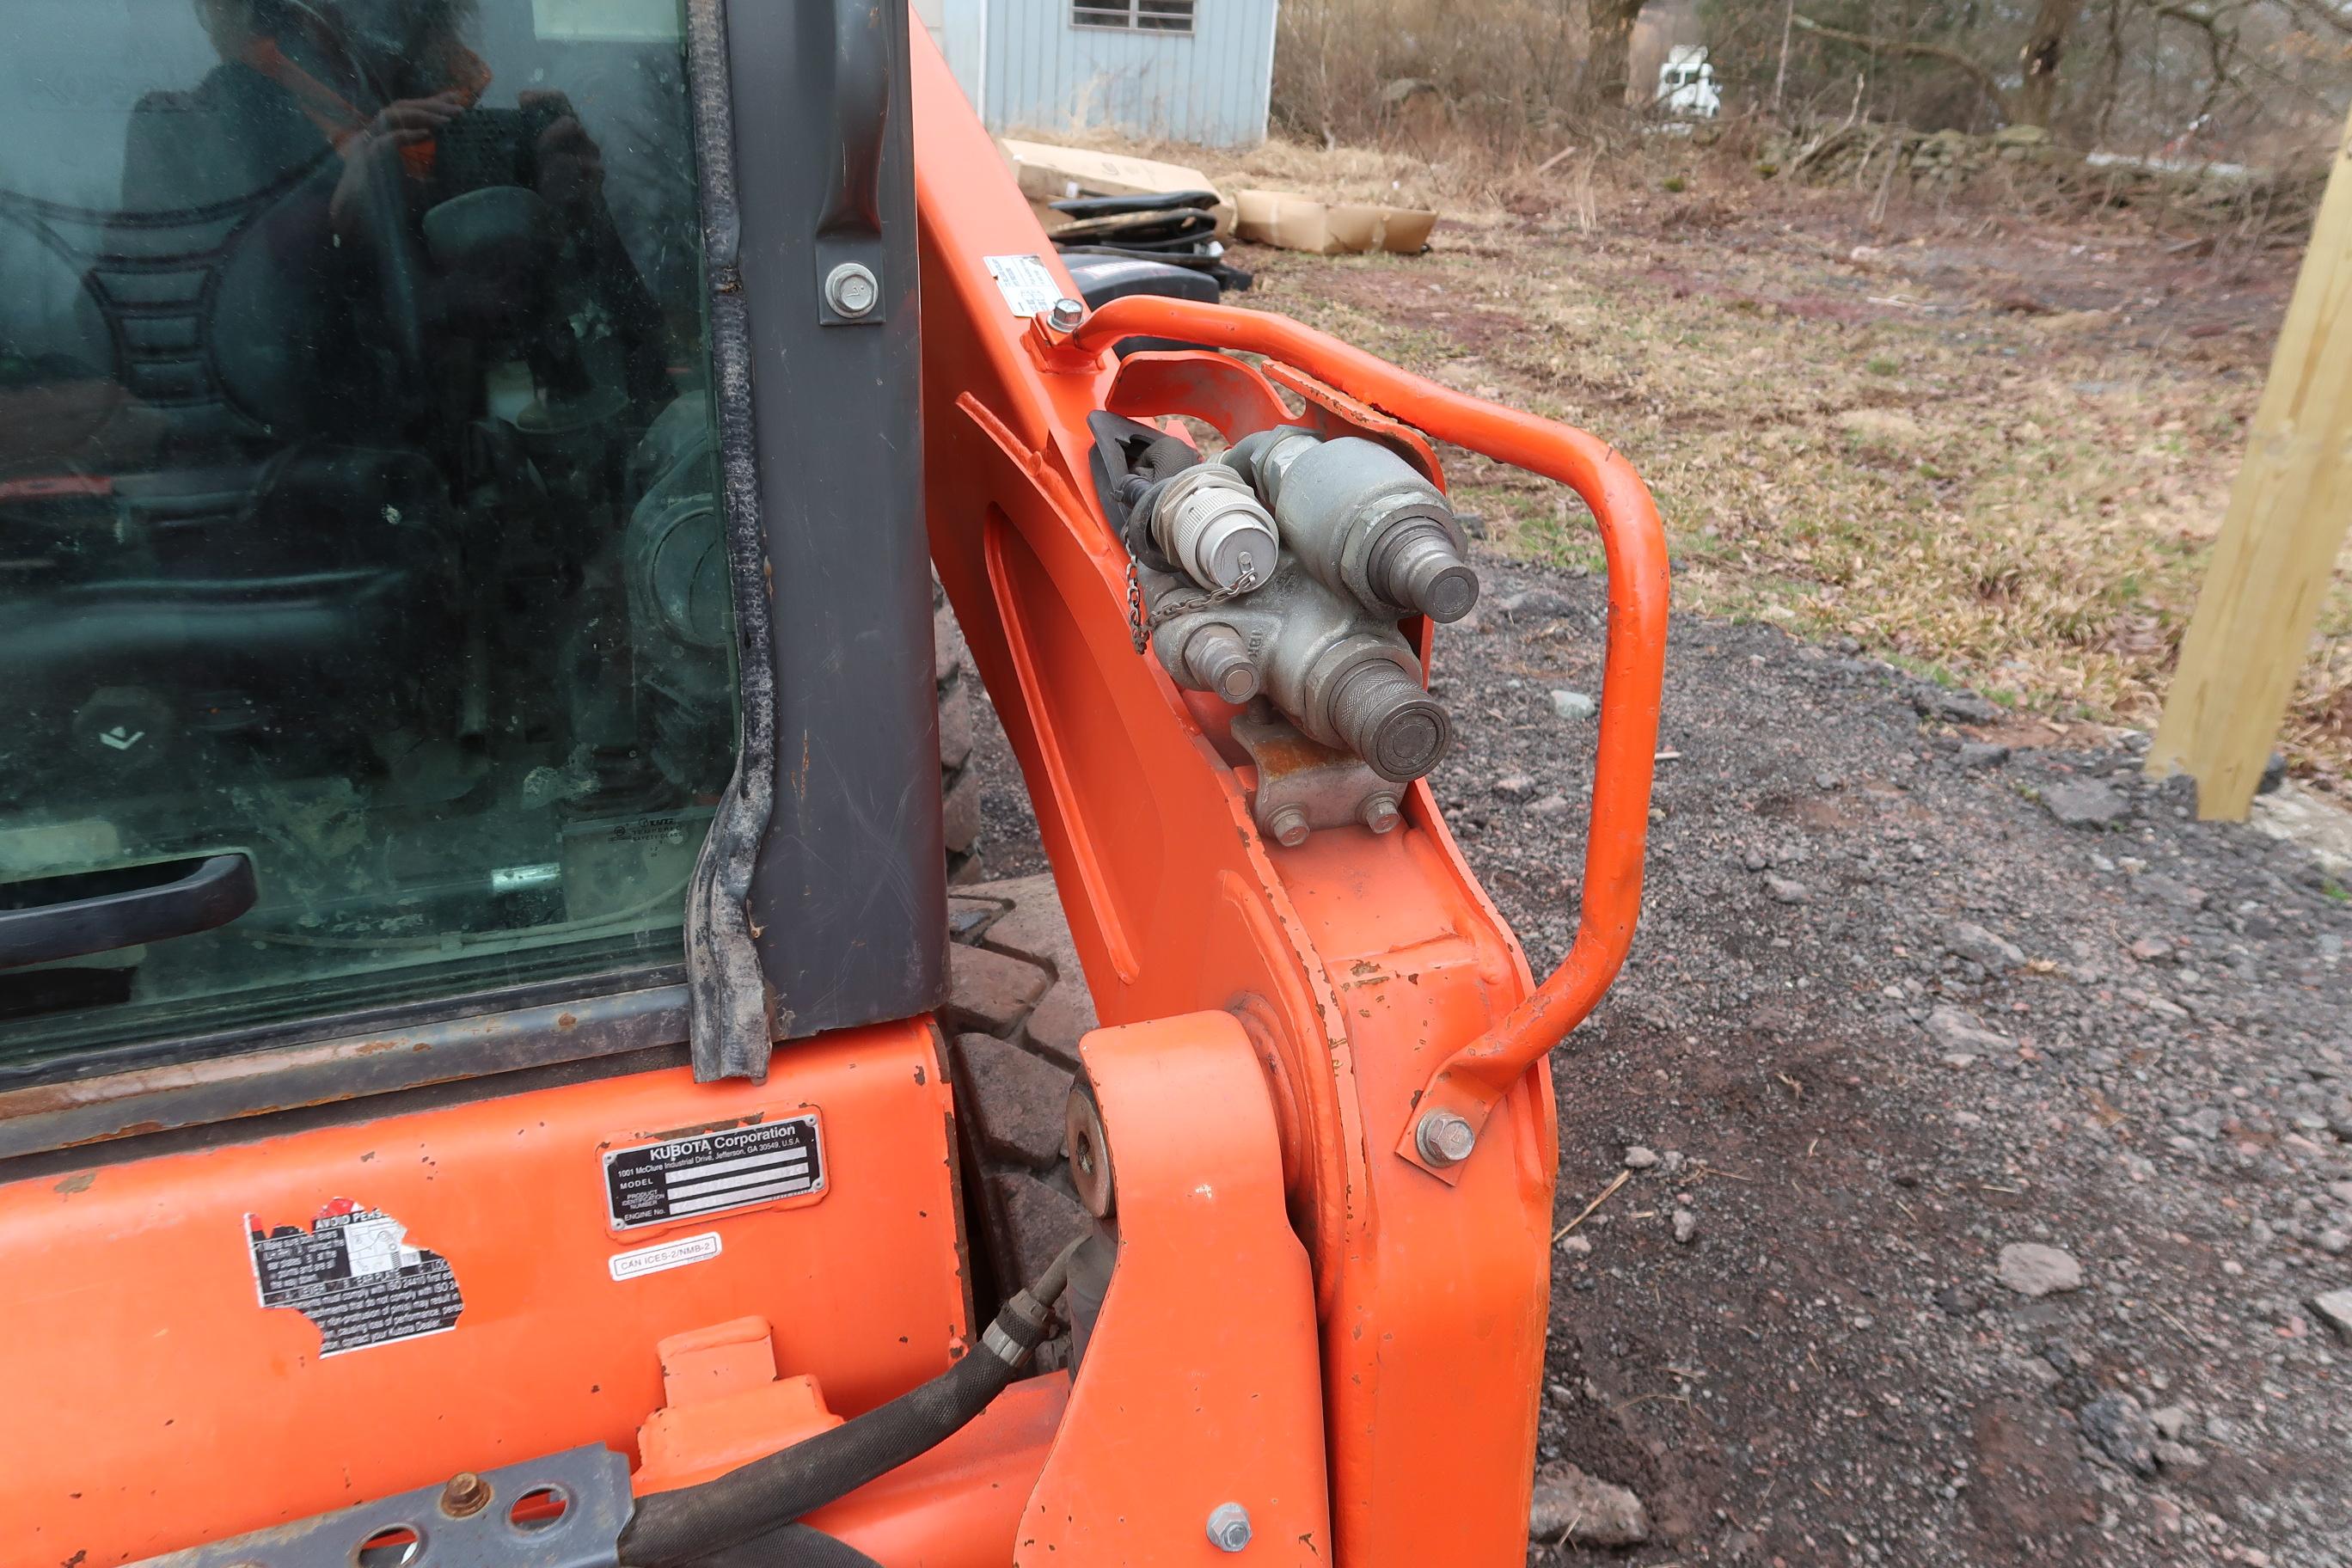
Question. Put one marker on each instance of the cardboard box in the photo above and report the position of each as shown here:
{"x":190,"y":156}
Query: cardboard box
{"x":1330,"y":228}
{"x":1051,"y":174}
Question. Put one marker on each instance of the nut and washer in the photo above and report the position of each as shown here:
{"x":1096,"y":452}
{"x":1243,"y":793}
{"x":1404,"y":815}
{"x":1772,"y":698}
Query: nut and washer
{"x":1228,"y":1526}
{"x":1445,"y":1138}
{"x":1380,"y":814}
{"x":1289,"y":827}
{"x":467,"y":1494}
{"x":852,"y":290}
{"x":1065,"y":314}
{"x":1090,"y":1167}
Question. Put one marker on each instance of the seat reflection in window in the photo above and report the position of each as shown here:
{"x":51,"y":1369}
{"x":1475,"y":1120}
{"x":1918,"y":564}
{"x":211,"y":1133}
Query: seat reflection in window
{"x":356,"y":505}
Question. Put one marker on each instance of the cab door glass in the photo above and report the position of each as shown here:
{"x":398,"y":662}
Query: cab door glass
{"x":357,"y":543}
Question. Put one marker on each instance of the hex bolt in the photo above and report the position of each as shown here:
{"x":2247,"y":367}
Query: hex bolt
{"x":1289,"y":827}
{"x":1065,"y":314}
{"x":852,"y":290}
{"x":1228,"y":1526}
{"x":465,"y":1494}
{"x":1380,"y":813}
{"x":1445,"y":1138}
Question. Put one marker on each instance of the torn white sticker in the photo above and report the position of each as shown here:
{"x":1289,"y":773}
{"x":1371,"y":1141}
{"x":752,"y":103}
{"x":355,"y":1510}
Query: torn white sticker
{"x":668,"y":1255}
{"x":1027,"y":284}
{"x":354,"y":1275}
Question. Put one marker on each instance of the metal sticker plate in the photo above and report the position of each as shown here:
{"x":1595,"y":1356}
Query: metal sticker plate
{"x":713,"y":1173}
{"x":1027,"y":284}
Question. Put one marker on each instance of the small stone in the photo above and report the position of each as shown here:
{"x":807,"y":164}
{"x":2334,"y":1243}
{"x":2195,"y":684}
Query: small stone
{"x":1787,"y":891}
{"x":2033,"y":1270}
{"x":1550,"y":805}
{"x":1534,"y":604}
{"x":1958,"y":1059}
{"x":2180,"y":895}
{"x":1983,"y":754}
{"x":1570,"y":1507}
{"x":1959,"y":1030}
{"x":1958,"y":707}
{"x":1572,"y":705}
{"x":2335,"y":1309}
{"x":2333,"y":1242}
{"x":1826,"y":781}
{"x":1638,"y":1158}
{"x":2151,"y":950}
{"x":1958,"y":1303}
{"x":1575,"y":1245}
{"x":2085,"y":803}
{"x":2120,"y":1429}
{"x":2171,"y":1421}
{"x":2179,"y":1457}
{"x":1973,"y":942}
{"x":1686,"y":1226}
{"x":1516,"y":786}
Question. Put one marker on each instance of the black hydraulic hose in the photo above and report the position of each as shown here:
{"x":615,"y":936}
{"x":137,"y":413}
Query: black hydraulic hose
{"x":685,"y":1528}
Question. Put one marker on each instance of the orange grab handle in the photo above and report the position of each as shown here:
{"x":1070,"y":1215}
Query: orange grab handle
{"x":1475,"y":1076}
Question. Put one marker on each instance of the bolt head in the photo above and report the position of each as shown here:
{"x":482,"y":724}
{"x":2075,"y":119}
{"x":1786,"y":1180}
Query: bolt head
{"x":1380,"y":813}
{"x":465,"y":1494}
{"x":1289,"y":827}
{"x":1065,"y":314}
{"x":852,"y":290}
{"x":1445,"y":1138}
{"x":1228,"y":1526}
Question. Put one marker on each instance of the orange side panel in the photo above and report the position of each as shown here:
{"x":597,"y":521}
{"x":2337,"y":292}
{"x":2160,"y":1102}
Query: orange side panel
{"x":958,"y":1505}
{"x":1199,"y":1385}
{"x":161,"y":1404}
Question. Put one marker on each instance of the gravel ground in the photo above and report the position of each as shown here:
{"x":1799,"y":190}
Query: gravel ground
{"x":1889,"y":1016}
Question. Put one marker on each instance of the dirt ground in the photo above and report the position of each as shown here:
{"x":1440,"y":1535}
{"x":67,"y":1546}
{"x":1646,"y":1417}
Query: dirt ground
{"x":1983,"y":443}
{"x":1859,"y":1097}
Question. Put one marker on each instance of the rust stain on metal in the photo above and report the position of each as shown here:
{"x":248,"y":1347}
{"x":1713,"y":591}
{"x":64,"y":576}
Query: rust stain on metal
{"x":80,"y":1182}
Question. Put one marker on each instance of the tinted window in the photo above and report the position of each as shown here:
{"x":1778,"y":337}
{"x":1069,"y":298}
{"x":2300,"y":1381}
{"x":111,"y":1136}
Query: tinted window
{"x":356,"y":504}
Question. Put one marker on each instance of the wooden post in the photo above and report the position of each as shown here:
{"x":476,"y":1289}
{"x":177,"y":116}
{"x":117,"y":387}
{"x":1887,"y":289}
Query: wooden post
{"x":2276,"y":553}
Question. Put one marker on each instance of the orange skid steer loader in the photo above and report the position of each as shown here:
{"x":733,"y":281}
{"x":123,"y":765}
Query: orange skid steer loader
{"x":474,"y":882}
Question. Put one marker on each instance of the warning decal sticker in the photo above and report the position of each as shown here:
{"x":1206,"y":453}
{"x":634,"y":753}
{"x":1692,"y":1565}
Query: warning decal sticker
{"x":1027,"y":285}
{"x":712,"y":1173}
{"x":355,"y":1276}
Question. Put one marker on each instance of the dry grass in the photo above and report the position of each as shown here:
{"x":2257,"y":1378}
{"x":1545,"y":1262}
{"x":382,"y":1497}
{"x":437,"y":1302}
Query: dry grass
{"x":1993,"y":450}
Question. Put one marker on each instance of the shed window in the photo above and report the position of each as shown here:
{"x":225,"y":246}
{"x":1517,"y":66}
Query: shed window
{"x":1134,"y":16}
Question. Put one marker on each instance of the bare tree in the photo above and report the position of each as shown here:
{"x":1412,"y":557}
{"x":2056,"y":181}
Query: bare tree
{"x":2045,"y":46}
{"x":1611,"y":54}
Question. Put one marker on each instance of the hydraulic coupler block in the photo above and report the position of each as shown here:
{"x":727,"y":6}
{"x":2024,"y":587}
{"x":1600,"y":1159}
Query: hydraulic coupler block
{"x":1342,"y":675}
{"x":1362,"y":522}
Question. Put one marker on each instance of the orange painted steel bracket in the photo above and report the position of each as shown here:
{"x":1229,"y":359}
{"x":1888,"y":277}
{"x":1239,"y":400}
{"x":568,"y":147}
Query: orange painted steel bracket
{"x":1453,"y":1108}
{"x":1199,"y":1401}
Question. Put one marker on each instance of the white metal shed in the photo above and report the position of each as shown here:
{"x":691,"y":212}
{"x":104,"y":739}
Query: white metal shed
{"x":1186,"y":70}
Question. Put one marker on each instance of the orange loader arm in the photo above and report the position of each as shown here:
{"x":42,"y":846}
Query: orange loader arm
{"x":1373,"y":977}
